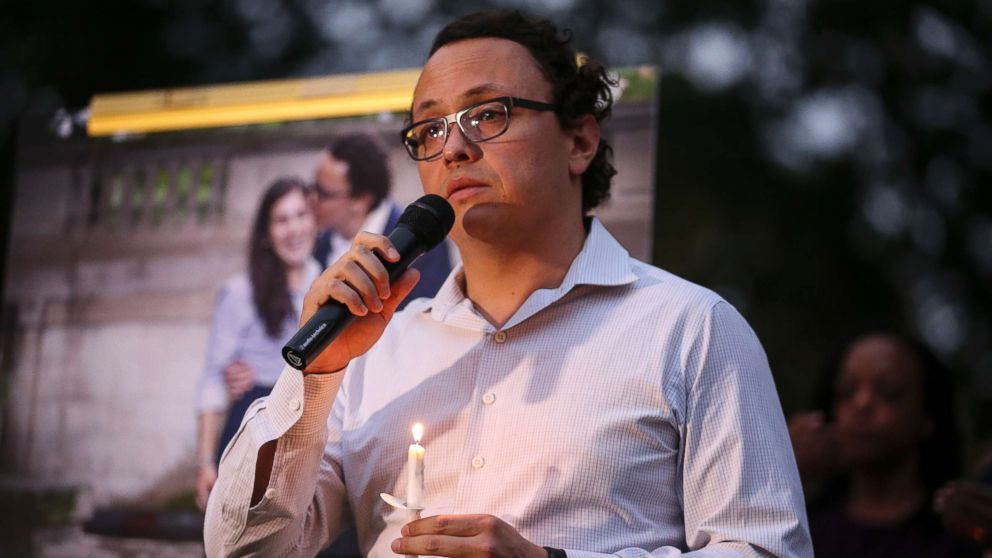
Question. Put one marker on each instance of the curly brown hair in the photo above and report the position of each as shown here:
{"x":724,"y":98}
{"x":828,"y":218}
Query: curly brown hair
{"x":578,"y":90}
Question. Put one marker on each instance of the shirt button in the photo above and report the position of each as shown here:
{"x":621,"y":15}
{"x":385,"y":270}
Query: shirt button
{"x":294,"y":404}
{"x":500,"y":336}
{"x":270,"y":493}
{"x":489,"y":398}
{"x":478,"y":461}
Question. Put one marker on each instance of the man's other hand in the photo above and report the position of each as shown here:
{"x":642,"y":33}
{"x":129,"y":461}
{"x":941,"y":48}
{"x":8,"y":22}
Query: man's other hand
{"x":464,"y":535}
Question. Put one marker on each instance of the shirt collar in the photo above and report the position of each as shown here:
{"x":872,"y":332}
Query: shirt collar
{"x":603,"y":261}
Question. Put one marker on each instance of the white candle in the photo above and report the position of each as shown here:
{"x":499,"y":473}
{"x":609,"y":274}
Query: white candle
{"x":415,"y":470}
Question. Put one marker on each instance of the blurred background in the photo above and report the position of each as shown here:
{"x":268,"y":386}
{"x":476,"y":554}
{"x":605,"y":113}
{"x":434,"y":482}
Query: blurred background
{"x":822,"y":164}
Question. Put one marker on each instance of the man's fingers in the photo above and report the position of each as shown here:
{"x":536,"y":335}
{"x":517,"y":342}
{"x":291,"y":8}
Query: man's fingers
{"x":345,"y":294}
{"x":373,"y":267}
{"x":400,"y":289}
{"x":436,"y":545}
{"x":379,"y":244}
{"x":463,"y":535}
{"x":452,"y":525}
{"x":359,"y":280}
{"x":357,"y":292}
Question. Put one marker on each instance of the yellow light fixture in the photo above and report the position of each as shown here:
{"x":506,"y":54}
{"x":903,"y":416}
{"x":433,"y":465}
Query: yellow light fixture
{"x":251,"y":103}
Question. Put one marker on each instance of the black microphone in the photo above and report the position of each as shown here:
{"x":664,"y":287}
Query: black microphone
{"x":422,"y":226}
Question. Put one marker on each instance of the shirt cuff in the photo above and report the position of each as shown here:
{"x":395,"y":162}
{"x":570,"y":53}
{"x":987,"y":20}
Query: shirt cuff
{"x":295,"y":393}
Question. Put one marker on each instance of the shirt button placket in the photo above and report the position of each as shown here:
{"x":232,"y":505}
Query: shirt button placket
{"x":478,"y":462}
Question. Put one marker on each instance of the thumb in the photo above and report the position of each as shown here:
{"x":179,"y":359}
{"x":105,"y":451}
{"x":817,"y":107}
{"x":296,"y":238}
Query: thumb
{"x":399,"y":290}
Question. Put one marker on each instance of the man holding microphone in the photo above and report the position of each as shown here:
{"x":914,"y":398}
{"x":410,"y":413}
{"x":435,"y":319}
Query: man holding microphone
{"x":576,"y":402}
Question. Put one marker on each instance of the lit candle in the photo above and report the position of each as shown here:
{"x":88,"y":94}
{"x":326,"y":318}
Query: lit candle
{"x":415,"y":470}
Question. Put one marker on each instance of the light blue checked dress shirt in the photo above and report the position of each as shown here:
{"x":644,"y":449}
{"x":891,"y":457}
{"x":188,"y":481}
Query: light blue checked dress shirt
{"x":626,"y":412}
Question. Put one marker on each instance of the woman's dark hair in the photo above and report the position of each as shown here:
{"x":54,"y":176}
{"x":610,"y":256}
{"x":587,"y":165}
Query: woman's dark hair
{"x":266,"y":271}
{"x":577,"y":90}
{"x":368,"y":165}
{"x":940,"y":453}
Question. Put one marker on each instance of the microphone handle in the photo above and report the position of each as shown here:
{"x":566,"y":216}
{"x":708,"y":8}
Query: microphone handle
{"x":332,"y":318}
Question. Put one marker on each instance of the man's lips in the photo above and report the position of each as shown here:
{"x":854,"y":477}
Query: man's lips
{"x":461,"y":188}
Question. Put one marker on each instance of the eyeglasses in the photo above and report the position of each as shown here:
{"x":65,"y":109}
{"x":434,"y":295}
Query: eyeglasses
{"x":482,"y":121}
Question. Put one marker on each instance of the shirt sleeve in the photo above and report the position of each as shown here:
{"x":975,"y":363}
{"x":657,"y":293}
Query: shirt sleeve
{"x":226,"y":331}
{"x":741,"y":490}
{"x":304,"y":505}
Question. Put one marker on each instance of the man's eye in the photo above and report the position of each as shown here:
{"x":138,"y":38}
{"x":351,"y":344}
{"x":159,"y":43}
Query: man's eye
{"x":487,"y":114}
{"x":431,"y":131}
{"x":489,"y":118}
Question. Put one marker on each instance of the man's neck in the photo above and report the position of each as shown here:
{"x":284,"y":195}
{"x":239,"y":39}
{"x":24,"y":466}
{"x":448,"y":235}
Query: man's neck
{"x":499,"y":279}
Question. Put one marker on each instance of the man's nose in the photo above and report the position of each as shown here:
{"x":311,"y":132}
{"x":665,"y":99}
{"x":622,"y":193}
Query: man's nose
{"x":458,"y":148}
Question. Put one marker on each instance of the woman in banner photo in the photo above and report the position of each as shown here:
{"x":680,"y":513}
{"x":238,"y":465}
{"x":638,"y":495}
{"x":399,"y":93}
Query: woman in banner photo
{"x":255,"y":314}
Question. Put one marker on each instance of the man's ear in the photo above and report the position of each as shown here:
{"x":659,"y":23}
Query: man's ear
{"x":585,"y":144}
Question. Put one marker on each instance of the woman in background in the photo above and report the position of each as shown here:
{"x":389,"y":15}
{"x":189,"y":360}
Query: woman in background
{"x":884,"y":443}
{"x":255,"y":314}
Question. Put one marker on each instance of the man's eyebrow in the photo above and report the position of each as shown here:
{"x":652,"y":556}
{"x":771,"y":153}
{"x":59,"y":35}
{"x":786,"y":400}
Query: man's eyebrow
{"x":472,"y":92}
{"x":484,"y":88}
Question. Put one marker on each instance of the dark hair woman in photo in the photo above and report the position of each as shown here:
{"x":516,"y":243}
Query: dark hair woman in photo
{"x":255,"y":314}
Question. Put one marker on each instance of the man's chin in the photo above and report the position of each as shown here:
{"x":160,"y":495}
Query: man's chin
{"x":488,"y":221}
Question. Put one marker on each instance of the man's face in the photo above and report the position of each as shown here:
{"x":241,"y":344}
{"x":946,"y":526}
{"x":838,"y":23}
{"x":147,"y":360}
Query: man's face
{"x":511,"y":187}
{"x":334,"y":205}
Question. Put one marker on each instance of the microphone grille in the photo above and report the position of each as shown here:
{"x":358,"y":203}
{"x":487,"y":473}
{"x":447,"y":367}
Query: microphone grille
{"x":430,"y":218}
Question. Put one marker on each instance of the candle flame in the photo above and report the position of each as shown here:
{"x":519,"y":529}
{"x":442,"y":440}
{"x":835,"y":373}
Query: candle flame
{"x":418,"y":432}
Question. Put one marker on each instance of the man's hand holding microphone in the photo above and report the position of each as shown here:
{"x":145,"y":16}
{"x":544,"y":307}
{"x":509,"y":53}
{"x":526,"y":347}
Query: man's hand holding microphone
{"x":348,"y":306}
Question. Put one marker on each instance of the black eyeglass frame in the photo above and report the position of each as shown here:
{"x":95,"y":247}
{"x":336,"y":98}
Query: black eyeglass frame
{"x":455,"y":118}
